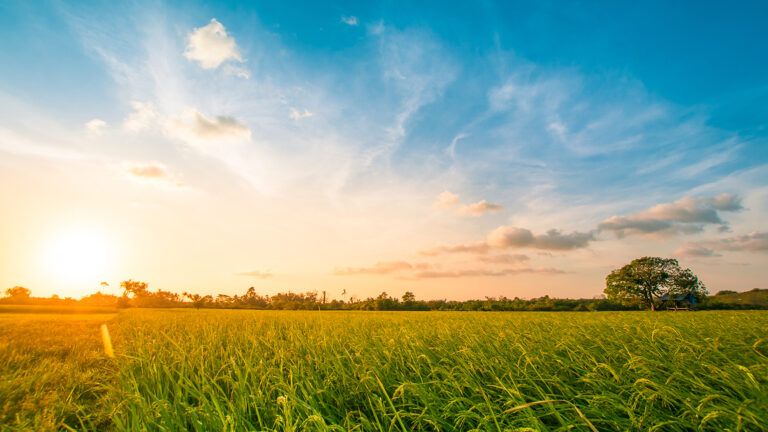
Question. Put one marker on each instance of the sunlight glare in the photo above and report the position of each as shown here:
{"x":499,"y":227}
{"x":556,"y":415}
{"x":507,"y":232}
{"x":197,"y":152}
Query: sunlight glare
{"x":81,"y":255}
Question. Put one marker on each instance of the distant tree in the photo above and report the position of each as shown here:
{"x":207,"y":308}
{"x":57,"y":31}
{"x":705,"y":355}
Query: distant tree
{"x":18,"y":293}
{"x":224,"y":300}
{"x":409,"y":297}
{"x":384,"y":302}
{"x":645,"y":280}
{"x":197,"y":300}
{"x":135,"y":288}
{"x":100,"y":299}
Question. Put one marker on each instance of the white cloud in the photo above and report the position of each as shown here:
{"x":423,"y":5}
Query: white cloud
{"x":210,"y":46}
{"x":349,"y":20}
{"x":445,"y":200}
{"x":144,"y":116}
{"x":95,"y":127}
{"x":298,"y":115}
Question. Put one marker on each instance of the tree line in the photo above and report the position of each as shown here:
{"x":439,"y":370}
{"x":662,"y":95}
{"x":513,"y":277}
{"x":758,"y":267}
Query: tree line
{"x":645,"y":283}
{"x":136,"y":294}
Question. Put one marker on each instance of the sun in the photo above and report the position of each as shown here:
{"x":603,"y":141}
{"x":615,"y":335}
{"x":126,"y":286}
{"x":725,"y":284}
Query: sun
{"x":81,"y":256}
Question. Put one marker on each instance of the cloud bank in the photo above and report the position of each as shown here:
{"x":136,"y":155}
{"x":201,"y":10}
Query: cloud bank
{"x":508,"y":237}
{"x":684,"y":216}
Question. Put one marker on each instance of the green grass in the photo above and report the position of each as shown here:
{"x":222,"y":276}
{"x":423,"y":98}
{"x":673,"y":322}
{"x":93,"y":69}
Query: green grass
{"x":262,"y":370}
{"x":53,"y":371}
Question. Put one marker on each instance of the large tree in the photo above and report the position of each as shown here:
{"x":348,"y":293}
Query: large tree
{"x":18,"y":293}
{"x":645,"y":280}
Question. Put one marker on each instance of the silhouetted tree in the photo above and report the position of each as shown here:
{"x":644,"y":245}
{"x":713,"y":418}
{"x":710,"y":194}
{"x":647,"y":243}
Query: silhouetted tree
{"x":135,"y":288}
{"x":18,"y":293}
{"x":197,"y":300}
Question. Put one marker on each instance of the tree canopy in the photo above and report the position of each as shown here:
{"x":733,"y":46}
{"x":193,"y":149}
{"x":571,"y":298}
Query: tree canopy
{"x":18,"y":292}
{"x":645,"y":280}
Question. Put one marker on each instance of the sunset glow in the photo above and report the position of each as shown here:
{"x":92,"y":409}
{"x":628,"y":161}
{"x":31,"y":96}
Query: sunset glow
{"x":79,"y":257}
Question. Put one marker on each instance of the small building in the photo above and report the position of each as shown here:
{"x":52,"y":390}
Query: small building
{"x":677,"y":302}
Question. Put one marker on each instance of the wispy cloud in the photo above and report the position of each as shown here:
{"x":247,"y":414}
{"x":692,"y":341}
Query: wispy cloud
{"x":418,"y":69}
{"x":480,"y":208}
{"x":432,"y":274}
{"x":408,"y":270}
{"x":504,"y":258}
{"x":753,"y":242}
{"x":153,"y":171}
{"x":350,"y":20}
{"x":256,"y":274}
{"x":295,"y":114}
{"x":445,"y":200}
{"x":95,"y":127}
{"x":695,"y":251}
{"x":381,"y":268}
{"x":143,"y":116}
{"x":472,"y":248}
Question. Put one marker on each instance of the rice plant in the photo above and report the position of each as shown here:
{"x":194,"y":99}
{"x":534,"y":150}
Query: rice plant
{"x":289,"y":371}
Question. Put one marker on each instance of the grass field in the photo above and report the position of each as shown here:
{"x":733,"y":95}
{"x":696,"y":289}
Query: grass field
{"x":217,"y":370}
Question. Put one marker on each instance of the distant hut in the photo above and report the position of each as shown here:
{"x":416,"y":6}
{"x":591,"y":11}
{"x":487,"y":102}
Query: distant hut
{"x":677,"y":302}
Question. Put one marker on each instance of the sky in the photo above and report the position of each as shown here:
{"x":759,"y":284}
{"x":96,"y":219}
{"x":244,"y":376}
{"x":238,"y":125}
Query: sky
{"x":455,"y":150}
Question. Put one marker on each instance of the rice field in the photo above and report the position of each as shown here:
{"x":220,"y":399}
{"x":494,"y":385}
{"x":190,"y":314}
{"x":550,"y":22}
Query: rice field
{"x":232,"y":370}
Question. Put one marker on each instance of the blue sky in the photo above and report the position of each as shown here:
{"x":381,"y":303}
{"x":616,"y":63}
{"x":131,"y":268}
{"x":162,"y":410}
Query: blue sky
{"x":348,"y":120}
